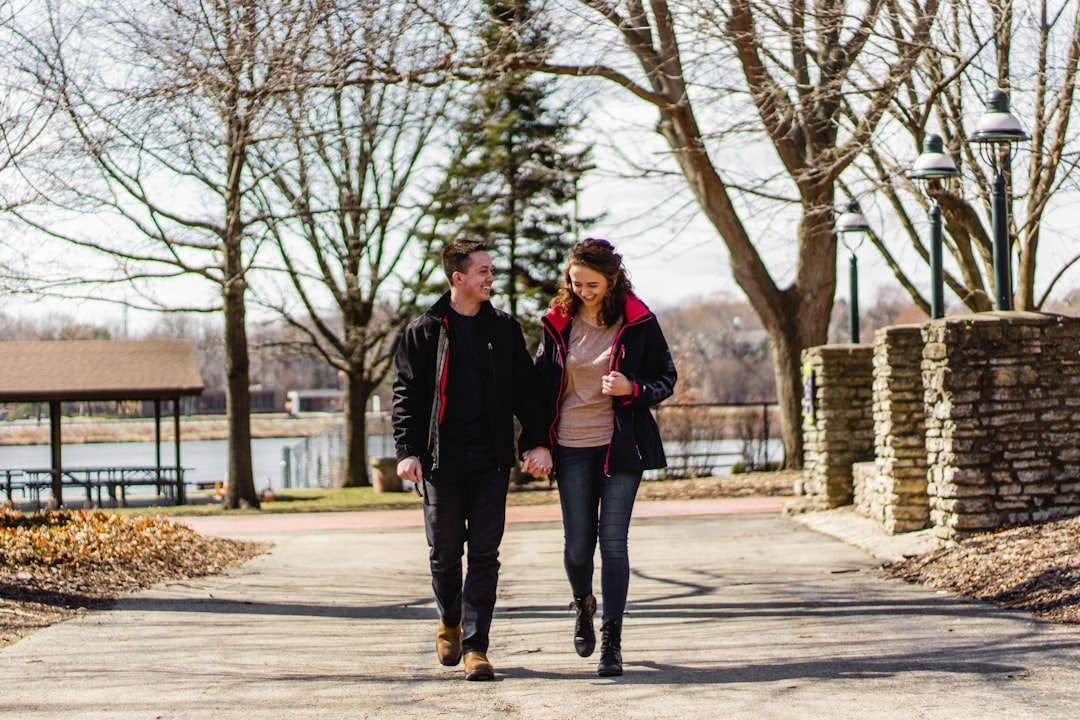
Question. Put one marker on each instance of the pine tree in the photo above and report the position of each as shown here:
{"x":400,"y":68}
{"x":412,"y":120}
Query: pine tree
{"x":514,"y":179}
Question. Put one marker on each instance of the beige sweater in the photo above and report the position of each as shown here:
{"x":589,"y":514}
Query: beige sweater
{"x":585,"y":413}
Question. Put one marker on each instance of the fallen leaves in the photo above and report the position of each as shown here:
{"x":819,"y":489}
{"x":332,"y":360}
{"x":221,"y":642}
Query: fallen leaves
{"x":56,"y":564}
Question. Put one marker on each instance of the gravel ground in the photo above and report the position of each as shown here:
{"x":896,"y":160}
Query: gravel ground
{"x":58,"y":565}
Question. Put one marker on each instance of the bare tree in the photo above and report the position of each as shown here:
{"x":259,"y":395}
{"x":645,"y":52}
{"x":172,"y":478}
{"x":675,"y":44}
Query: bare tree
{"x":796,"y":65}
{"x":721,"y":352}
{"x":164,"y":102}
{"x":1032,"y":50}
{"x":349,"y":179}
{"x":24,"y":116}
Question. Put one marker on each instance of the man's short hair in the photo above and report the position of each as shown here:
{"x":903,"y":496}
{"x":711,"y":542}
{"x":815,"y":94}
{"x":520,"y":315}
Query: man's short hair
{"x":455,"y":256}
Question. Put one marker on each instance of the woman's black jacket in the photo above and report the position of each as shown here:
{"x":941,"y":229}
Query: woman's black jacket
{"x":639,"y":352}
{"x":419,"y":385}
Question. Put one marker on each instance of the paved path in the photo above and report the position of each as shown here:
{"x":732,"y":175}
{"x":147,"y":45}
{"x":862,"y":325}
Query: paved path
{"x":748,"y":615}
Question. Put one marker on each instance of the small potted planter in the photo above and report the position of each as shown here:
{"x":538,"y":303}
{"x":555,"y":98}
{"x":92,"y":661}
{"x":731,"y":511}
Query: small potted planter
{"x":384,"y":477}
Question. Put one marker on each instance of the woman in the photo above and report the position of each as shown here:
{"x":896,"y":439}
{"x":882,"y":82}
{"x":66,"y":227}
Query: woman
{"x":602,"y":363}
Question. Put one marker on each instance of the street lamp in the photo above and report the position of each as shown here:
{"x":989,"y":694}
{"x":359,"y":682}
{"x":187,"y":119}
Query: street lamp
{"x":929,"y":171}
{"x":995,"y":135}
{"x":848,"y":223}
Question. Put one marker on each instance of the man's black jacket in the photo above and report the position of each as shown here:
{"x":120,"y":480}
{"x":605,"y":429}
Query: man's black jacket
{"x":419,"y":384}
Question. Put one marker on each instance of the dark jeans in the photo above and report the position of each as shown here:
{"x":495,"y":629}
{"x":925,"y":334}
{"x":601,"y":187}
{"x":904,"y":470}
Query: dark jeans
{"x":466,"y":504}
{"x":596,"y":505}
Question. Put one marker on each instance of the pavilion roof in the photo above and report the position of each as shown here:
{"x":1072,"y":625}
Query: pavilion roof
{"x":70,"y":370}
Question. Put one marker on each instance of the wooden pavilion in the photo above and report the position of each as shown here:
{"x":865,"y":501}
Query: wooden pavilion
{"x":100,"y":370}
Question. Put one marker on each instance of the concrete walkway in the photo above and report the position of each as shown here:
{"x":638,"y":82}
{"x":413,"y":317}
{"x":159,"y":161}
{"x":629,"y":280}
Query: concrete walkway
{"x":735,"y":612}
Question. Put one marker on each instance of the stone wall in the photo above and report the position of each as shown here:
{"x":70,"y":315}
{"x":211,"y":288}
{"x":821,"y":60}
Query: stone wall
{"x":1003,"y":420}
{"x":868,"y":491}
{"x":838,"y":426}
{"x":899,"y":431}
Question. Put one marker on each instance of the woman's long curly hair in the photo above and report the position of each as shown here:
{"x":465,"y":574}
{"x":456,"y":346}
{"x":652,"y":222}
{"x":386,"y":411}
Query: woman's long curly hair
{"x":598,"y":255}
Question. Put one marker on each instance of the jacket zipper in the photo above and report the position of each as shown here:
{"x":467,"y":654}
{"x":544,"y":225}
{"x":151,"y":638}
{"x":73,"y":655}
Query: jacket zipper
{"x":560,"y":349}
{"x":436,"y":441}
{"x":613,"y":366}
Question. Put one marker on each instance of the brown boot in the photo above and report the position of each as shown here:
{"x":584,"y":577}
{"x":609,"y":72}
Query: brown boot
{"x":477,"y":666}
{"x":448,"y":644}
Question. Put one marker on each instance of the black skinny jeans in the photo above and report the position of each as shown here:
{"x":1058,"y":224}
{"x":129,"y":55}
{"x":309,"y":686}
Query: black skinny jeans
{"x":465,"y":504}
{"x":596,"y":506}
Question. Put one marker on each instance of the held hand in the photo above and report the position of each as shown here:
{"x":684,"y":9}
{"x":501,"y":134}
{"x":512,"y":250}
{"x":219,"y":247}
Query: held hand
{"x":410,"y":469}
{"x":536,"y":462}
{"x":529,"y":464}
{"x":616,"y":384}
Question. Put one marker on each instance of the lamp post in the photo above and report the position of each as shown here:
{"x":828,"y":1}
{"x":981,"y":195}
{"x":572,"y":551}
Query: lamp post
{"x":995,"y":135}
{"x":848,"y":223}
{"x":929,"y":171}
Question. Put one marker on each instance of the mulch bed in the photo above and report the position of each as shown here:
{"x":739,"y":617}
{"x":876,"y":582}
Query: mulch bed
{"x":1035,"y":568}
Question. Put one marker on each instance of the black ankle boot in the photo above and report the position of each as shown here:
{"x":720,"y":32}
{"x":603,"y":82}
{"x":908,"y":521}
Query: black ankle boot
{"x":610,"y":649}
{"x":584,"y":632}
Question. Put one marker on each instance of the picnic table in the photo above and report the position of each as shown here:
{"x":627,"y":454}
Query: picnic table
{"x":112,"y":481}
{"x":12,"y":481}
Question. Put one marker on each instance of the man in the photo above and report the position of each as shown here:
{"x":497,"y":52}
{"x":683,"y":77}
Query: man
{"x":462,"y":373}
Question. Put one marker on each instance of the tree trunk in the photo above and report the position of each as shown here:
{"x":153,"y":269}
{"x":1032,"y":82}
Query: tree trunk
{"x":794,"y":318}
{"x":354,"y":473}
{"x":241,"y":485}
{"x":787,"y":365}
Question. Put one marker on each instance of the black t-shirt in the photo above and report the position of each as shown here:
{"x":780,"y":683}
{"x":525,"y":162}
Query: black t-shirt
{"x":465,"y":423}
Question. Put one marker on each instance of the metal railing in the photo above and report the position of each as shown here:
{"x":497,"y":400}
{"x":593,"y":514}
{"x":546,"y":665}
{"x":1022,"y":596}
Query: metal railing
{"x":314,"y":461}
{"x":700,"y":439}
{"x":703,"y":439}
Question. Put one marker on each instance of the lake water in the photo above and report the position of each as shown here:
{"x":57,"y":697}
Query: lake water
{"x":205,"y":459}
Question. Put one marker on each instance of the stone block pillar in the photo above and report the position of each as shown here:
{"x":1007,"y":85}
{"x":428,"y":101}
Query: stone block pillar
{"x":899,"y":430}
{"x":1002,"y":420}
{"x":838,"y":424}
